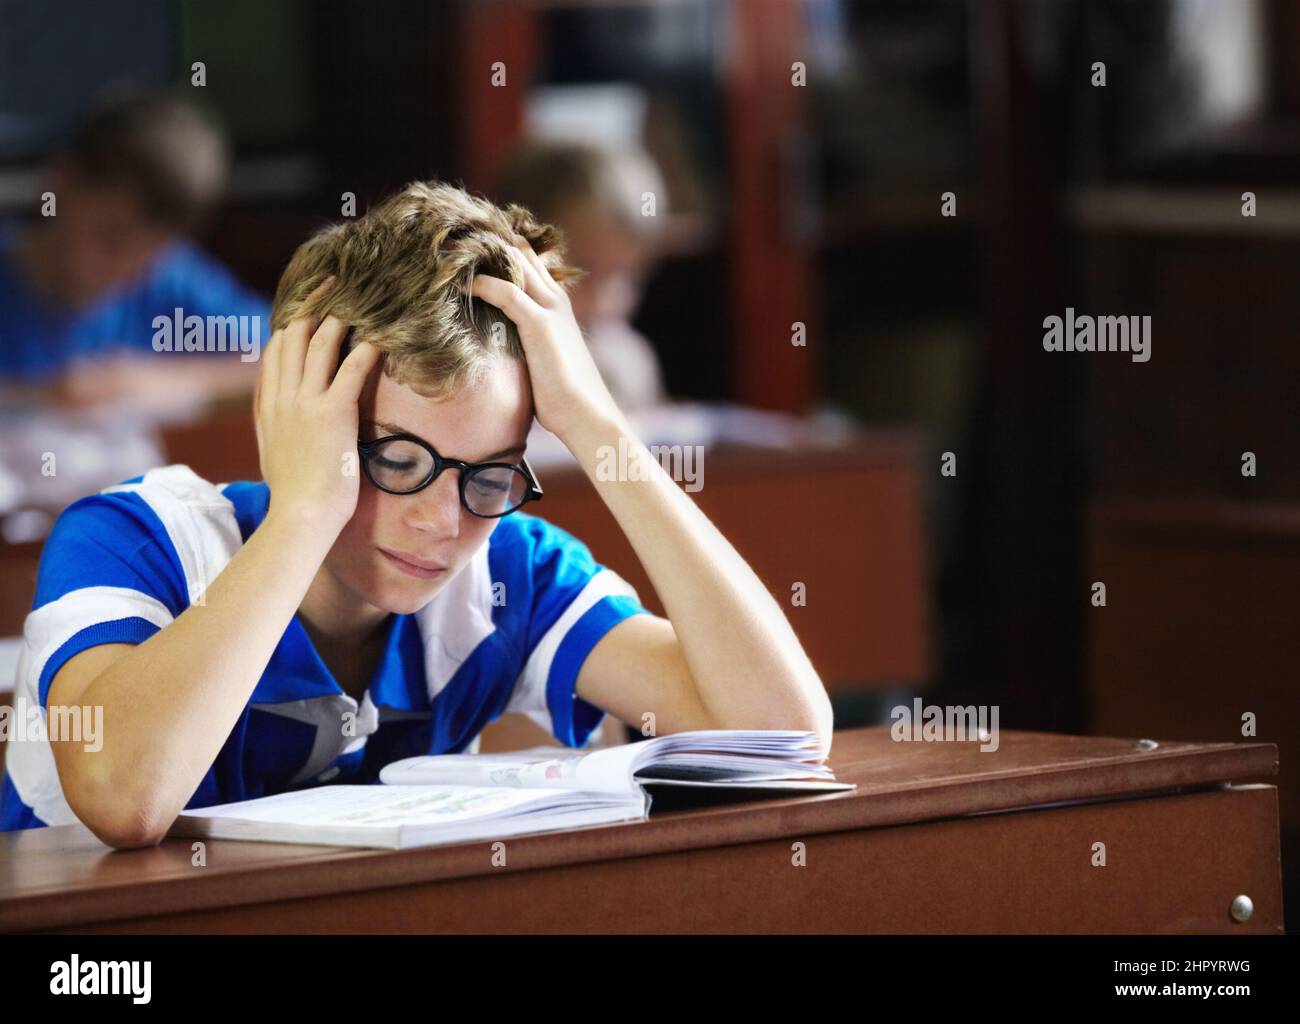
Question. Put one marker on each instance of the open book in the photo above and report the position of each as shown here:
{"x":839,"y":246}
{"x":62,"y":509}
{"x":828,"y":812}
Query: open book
{"x":455,"y":798}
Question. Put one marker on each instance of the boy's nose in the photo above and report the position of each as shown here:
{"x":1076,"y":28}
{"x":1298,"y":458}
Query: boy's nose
{"x":437,"y":510}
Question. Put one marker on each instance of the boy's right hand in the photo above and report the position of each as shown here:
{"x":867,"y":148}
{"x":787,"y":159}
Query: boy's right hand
{"x":307,"y":423}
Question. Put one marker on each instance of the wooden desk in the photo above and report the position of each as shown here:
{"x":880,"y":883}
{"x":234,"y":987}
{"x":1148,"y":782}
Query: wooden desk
{"x":1199,"y":629}
{"x":938,"y":838}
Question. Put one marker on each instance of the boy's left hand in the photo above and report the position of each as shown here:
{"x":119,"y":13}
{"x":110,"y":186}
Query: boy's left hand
{"x":568,"y":392}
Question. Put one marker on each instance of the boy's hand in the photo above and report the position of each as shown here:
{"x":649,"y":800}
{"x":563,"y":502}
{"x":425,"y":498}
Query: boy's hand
{"x":568,"y":392}
{"x":306,"y":424}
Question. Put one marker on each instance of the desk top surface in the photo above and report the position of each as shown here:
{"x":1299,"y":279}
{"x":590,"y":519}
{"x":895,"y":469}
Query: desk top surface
{"x":61,"y":876}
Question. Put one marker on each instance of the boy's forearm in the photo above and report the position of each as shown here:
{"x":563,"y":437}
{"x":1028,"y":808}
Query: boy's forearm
{"x":748,"y":665}
{"x":170,"y":703}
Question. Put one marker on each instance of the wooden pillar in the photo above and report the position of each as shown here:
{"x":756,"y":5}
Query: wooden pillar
{"x":1029,"y":483}
{"x":500,"y":38}
{"x":769,"y":263}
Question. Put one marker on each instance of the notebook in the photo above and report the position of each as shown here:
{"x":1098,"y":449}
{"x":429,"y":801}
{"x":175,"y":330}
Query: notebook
{"x":456,"y":798}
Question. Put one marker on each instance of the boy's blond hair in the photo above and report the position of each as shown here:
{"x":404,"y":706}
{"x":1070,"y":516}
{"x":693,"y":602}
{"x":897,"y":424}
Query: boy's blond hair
{"x":402,"y":278}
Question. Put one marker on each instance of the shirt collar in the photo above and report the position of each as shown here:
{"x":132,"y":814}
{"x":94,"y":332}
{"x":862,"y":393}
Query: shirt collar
{"x":296,"y":670}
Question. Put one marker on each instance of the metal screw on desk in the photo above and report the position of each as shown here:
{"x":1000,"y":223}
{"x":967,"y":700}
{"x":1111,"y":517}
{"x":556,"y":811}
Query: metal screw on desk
{"x":1146,"y":744}
{"x":1242,"y":908}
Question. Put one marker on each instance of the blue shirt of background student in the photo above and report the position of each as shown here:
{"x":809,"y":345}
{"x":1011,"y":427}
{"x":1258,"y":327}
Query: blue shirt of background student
{"x":38,"y":341}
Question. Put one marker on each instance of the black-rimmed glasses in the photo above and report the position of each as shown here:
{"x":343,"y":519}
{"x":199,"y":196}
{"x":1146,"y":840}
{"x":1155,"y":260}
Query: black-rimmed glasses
{"x":405,"y":464}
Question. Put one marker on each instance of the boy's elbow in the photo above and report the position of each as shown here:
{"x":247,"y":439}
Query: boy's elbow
{"x":115,"y":817}
{"x":132,"y":832}
{"x":129,"y":825}
{"x":816,"y":717}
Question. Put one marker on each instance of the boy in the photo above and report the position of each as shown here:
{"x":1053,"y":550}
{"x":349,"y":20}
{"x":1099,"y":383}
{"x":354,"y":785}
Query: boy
{"x":380,"y":595}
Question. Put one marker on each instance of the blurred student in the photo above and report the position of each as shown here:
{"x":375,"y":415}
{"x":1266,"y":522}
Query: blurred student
{"x":81,"y":290}
{"x":597,"y":196}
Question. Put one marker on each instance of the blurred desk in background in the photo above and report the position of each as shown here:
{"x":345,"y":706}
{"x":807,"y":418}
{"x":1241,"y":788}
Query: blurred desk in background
{"x":846,"y":522}
{"x":18,"y":564}
{"x":220,"y":447}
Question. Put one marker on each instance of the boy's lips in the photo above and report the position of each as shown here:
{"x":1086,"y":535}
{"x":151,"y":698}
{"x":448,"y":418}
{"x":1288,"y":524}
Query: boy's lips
{"x":412,"y":566}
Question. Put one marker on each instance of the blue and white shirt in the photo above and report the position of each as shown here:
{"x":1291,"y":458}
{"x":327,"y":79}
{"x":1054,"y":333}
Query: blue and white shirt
{"x":120,"y":565}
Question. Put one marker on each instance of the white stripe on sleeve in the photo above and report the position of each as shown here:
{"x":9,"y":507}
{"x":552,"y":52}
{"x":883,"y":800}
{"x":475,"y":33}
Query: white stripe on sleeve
{"x":529,"y":694}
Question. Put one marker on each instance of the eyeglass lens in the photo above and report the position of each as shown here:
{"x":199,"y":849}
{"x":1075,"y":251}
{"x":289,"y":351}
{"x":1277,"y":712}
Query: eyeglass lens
{"x":404,"y":466}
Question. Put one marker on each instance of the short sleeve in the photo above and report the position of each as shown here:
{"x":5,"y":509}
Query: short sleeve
{"x":108,"y":574}
{"x":572,"y":602}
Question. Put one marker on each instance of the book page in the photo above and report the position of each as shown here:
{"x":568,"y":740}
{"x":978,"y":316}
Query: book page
{"x":382,"y":806}
{"x":720,"y":757}
{"x":546,"y":767}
